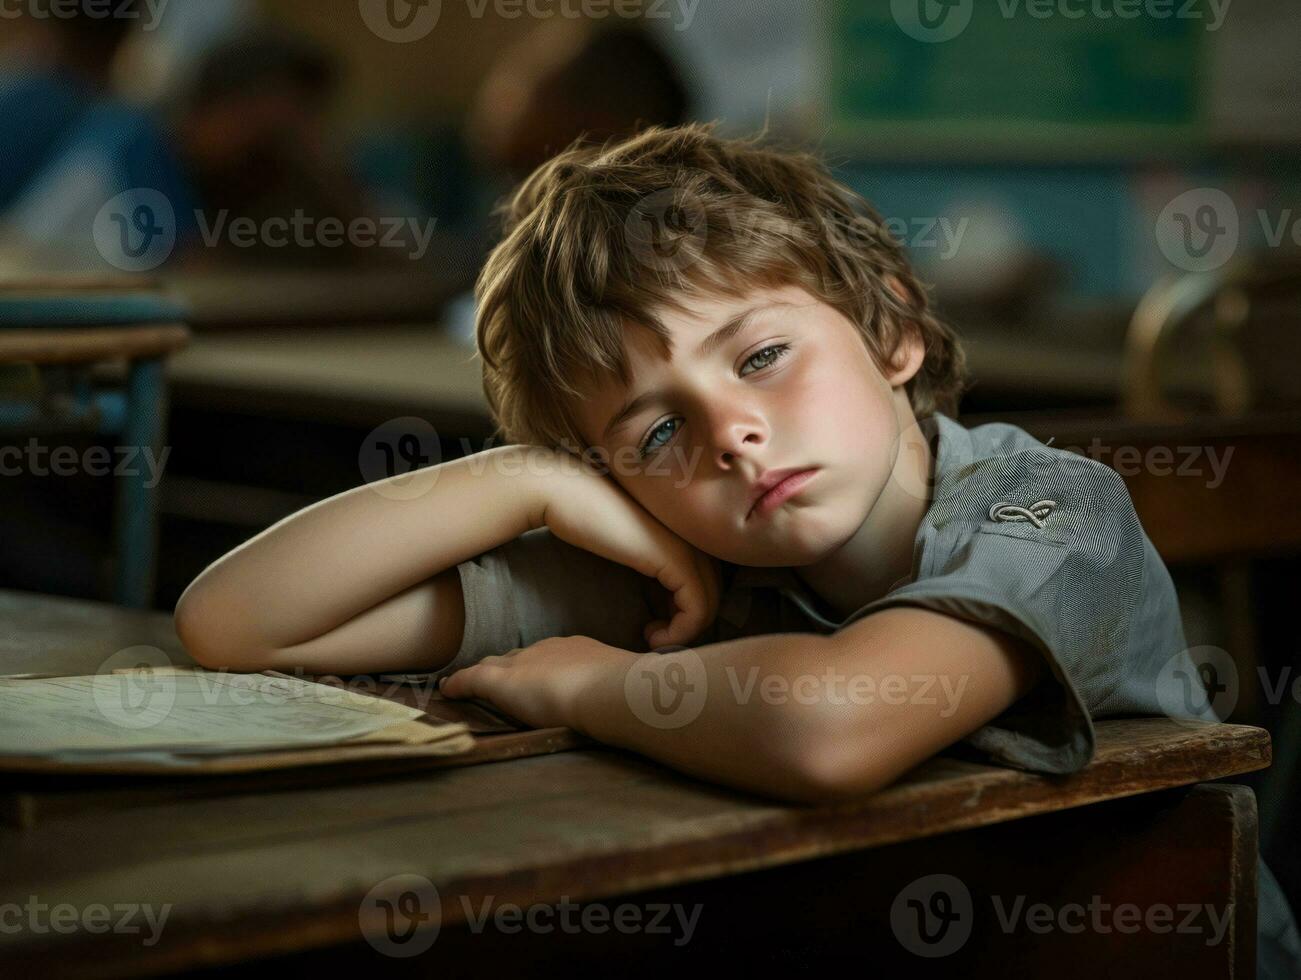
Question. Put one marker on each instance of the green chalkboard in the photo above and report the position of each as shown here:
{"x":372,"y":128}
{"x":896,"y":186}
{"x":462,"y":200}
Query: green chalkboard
{"x":1042,"y":76}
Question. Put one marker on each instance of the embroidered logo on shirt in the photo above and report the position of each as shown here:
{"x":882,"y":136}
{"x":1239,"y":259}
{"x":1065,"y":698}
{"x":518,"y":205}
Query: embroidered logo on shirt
{"x":1006,"y":511}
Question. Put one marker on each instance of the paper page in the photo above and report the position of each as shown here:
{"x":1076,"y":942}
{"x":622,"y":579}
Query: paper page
{"x":185,"y":710}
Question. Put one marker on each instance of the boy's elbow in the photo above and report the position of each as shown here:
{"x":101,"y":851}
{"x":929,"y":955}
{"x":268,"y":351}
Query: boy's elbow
{"x":204,"y":638}
{"x":197,"y":637}
{"x":837,"y":765}
{"x":826,"y":781}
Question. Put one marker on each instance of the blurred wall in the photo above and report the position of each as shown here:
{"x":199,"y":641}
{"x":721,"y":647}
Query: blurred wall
{"x":1095,"y":216}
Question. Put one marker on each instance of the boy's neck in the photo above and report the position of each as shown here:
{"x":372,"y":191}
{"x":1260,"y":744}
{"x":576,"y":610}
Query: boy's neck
{"x":880,"y":553}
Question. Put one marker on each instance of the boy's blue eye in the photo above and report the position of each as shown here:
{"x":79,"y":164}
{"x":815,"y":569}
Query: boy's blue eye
{"x":649,"y":446}
{"x":776,"y":352}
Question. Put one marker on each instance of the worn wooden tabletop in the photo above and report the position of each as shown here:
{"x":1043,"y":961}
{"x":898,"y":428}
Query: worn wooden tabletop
{"x":258,"y":873}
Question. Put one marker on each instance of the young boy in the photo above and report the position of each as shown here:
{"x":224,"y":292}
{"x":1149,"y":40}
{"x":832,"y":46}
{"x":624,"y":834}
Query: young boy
{"x":731,"y":416}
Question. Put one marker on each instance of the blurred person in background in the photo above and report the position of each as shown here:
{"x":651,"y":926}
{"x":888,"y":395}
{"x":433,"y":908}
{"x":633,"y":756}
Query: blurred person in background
{"x":569,"y":79}
{"x":156,"y":65}
{"x":244,"y":139}
{"x":93,"y":147}
{"x":566,"y":80}
{"x":252,"y":132}
{"x":53,"y":70}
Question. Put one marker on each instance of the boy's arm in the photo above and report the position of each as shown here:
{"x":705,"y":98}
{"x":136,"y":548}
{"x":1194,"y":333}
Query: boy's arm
{"x":812,"y":718}
{"x":352,"y":583}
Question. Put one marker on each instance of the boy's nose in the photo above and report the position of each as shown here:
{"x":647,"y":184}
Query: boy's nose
{"x":736,"y":438}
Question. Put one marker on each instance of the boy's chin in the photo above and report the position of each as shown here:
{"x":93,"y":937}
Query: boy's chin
{"x":792,"y":553}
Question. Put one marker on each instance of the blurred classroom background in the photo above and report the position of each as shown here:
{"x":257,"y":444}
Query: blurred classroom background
{"x":237,"y":238}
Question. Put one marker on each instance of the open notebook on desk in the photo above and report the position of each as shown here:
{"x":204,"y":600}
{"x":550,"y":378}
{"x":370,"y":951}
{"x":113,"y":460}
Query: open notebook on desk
{"x":67,"y":745}
{"x":161,"y":718}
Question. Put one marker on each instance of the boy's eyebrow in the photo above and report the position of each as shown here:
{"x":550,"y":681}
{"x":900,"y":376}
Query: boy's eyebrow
{"x":722,"y":335}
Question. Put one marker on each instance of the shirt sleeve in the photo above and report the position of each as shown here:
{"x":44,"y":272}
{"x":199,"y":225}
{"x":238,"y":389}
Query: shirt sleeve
{"x":1069,"y":588}
{"x":538,"y":586}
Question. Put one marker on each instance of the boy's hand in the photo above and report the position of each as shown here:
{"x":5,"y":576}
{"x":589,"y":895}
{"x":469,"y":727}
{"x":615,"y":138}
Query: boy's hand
{"x":543,"y":684}
{"x":586,"y":509}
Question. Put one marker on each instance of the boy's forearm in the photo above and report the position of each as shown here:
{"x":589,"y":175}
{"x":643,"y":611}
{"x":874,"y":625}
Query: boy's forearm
{"x":732,"y":715}
{"x":325,"y":565}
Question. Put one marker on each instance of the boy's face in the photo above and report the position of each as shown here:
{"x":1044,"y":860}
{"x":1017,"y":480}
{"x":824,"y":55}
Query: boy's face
{"x":794,"y":389}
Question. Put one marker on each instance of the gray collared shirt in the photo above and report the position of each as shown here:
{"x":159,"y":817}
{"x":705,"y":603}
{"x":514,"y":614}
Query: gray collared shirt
{"x":1081,"y":582}
{"x":1031,"y":539}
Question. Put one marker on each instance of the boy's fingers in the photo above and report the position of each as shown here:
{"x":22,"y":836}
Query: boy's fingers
{"x":464,"y":683}
{"x":663,"y":633}
{"x":694,"y":591}
{"x":693,"y":609}
{"x":653,"y":631}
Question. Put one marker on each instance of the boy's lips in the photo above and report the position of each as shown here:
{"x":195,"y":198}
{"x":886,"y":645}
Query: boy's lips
{"x":775,"y":487}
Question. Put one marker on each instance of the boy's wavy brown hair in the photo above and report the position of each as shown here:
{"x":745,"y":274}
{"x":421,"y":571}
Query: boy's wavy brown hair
{"x":600,"y":238}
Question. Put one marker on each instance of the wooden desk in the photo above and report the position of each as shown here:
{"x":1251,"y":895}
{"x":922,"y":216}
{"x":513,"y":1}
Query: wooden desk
{"x":233,"y":300}
{"x":355,"y":374}
{"x":243,"y":299}
{"x":304,"y":871}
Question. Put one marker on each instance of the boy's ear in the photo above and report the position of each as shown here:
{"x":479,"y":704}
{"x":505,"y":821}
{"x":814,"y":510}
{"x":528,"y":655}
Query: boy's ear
{"x":908,"y":356}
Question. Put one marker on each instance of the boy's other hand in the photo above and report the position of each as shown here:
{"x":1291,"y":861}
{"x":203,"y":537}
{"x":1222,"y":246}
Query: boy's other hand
{"x":546,"y":684}
{"x":590,"y":511}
